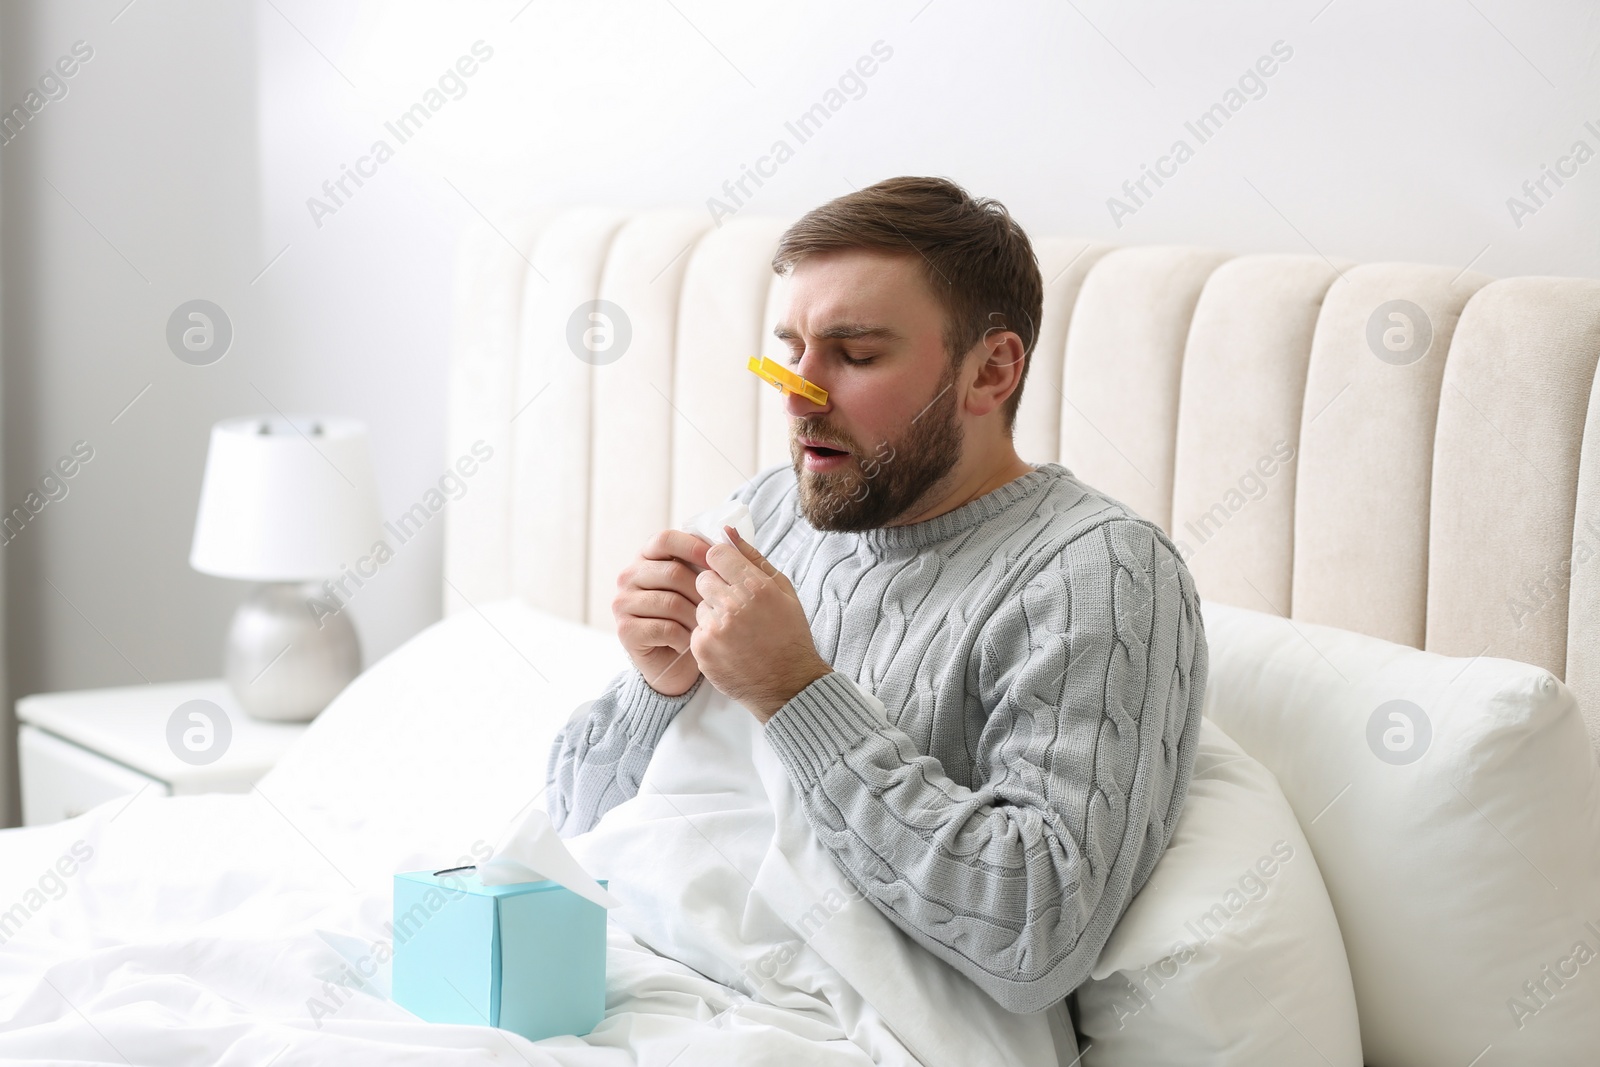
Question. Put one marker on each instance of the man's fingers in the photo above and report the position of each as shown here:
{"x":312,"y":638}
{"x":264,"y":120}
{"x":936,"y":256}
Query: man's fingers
{"x":749,"y":552}
{"x":713,"y":592}
{"x":656,"y":604}
{"x":671,"y":575}
{"x":720,"y":594}
{"x":676,"y":544}
{"x":645,"y":634}
{"x":753,"y":556}
{"x":732,"y":564}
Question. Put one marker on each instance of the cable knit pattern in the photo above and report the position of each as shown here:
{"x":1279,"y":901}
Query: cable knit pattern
{"x":1038,"y":661}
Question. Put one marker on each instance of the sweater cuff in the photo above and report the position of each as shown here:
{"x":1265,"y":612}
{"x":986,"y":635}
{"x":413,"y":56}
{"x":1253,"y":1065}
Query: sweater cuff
{"x":820,"y":724}
{"x":645,"y":713}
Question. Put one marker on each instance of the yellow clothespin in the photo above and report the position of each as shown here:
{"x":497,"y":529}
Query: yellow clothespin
{"x":786,"y":380}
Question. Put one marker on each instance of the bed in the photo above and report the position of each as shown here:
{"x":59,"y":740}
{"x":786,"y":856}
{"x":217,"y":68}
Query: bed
{"x":1385,"y":479}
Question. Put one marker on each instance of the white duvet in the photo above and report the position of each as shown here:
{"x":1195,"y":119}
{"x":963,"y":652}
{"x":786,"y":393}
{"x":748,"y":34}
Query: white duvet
{"x":251,"y":929}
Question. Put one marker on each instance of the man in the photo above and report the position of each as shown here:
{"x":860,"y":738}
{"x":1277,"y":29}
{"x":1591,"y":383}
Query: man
{"x":1038,"y":648}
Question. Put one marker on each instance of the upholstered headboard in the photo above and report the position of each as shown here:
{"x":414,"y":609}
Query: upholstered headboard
{"x":1404,"y":450}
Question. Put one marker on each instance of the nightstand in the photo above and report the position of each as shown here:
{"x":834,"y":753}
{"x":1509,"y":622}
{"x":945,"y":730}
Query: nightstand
{"x":77,"y":750}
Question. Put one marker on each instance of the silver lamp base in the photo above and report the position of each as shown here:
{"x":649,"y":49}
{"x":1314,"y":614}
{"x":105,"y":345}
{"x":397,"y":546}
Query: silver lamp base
{"x":285,"y":661}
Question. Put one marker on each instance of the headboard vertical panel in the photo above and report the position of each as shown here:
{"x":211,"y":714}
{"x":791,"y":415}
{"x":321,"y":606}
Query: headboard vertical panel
{"x":1124,"y":357}
{"x":551,"y":419}
{"x":714,"y":447}
{"x":1505,"y":469}
{"x":633,"y":421}
{"x":483,"y":397}
{"x":1583,"y":601}
{"x":1366,"y":448}
{"x":1244,"y":378}
{"x":1064,"y":263}
{"x":772,"y":421}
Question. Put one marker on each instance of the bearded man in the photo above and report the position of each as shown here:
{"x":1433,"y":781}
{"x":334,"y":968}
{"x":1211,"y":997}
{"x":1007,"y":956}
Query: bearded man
{"x":983,"y":676}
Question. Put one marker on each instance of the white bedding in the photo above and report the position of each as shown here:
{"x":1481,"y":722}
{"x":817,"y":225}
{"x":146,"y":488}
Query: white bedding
{"x":197,"y":930}
{"x":741,"y":890}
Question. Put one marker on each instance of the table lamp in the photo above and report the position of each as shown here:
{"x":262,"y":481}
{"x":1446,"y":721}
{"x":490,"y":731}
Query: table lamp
{"x":286,"y":502}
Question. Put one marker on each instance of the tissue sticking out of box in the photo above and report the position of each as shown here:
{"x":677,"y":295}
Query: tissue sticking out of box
{"x":530,"y":851}
{"x":708,"y":524}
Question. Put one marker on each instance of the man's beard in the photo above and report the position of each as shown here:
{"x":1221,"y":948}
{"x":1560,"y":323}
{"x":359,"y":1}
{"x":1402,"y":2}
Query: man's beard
{"x":883,"y":483}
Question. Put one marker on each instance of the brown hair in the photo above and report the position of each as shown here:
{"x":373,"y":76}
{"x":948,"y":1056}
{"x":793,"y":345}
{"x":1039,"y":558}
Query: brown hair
{"x":976,"y":259}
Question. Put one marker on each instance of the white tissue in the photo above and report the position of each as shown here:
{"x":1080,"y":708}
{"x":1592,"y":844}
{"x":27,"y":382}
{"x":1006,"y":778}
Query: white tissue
{"x":530,"y":851}
{"x":708,"y":524}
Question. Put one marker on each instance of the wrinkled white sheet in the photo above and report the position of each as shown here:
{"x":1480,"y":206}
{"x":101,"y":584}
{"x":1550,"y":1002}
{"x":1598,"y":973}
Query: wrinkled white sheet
{"x":196,"y":942}
{"x":716,"y":865}
{"x":197,"y":929}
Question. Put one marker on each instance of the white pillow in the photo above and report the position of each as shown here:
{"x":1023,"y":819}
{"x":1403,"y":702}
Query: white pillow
{"x":425,"y":757}
{"x":1454,"y":809}
{"x":1230,"y":954}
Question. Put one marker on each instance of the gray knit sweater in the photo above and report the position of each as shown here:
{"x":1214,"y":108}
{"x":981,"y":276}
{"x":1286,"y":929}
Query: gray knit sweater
{"x":1042,"y":660}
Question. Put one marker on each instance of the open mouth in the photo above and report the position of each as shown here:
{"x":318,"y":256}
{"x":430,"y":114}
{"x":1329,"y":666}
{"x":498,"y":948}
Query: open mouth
{"x":821,"y":457}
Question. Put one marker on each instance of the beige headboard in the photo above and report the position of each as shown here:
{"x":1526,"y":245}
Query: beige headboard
{"x":1404,"y":450}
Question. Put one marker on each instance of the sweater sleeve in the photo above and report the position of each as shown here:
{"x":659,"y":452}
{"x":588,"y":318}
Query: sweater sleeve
{"x":1091,"y":677}
{"x":599,"y":757}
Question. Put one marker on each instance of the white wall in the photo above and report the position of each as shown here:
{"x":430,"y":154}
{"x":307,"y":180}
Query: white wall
{"x":196,"y":135}
{"x":133,"y":193}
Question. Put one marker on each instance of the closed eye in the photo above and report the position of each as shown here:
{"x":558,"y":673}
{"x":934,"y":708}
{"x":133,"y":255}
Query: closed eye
{"x":844,"y":357}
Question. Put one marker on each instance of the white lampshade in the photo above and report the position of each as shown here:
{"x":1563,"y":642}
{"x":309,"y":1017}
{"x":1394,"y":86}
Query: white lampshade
{"x":285,"y":500}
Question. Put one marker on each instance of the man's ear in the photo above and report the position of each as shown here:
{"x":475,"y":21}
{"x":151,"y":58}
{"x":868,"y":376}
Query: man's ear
{"x":999,"y":373}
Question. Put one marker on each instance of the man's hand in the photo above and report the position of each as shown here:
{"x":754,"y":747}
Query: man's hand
{"x":655,"y":610}
{"x":752,"y":637}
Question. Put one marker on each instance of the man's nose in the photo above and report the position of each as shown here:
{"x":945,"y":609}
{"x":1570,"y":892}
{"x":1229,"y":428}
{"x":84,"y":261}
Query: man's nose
{"x":798,"y":406}
{"x":795,"y":405}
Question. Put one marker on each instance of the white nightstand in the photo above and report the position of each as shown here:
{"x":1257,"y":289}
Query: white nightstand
{"x":78,"y":750}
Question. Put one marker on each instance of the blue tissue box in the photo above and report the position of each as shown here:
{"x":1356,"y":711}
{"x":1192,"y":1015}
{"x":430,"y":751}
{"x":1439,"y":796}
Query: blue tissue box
{"x":529,"y":957}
